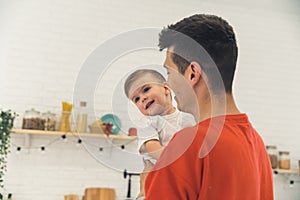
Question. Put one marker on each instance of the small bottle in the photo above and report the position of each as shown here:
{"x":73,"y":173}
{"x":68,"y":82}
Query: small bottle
{"x":9,"y":197}
{"x":1,"y":197}
{"x":284,"y":160}
{"x":272,"y":152}
{"x":81,"y":122}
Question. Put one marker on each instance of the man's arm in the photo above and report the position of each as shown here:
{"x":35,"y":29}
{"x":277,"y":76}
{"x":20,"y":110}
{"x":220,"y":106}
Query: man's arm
{"x":165,"y":184}
{"x":175,"y":174}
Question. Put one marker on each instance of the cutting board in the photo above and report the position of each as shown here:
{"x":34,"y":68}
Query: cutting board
{"x":71,"y":197}
{"x":99,"y":194}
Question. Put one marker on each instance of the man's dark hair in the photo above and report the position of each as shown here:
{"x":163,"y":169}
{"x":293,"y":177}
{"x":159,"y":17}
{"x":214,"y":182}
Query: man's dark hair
{"x":214,"y":34}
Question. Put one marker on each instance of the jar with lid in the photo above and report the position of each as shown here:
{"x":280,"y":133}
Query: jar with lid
{"x":272,"y":152}
{"x":32,"y":120}
{"x":284,"y":160}
{"x":49,"y":121}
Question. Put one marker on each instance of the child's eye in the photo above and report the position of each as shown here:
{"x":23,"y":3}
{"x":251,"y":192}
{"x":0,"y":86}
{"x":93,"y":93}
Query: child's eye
{"x":136,"y":99}
{"x":146,"y":89}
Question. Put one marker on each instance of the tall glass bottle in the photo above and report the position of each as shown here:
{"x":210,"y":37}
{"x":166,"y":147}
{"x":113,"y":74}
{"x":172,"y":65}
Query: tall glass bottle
{"x":81,"y":122}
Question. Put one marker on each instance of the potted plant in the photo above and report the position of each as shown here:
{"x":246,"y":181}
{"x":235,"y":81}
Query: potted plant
{"x":6,"y":124}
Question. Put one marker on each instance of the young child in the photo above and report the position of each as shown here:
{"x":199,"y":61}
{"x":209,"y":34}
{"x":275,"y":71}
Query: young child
{"x":148,"y":90}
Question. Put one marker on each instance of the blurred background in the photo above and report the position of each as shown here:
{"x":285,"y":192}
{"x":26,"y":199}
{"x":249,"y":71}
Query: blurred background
{"x":44,"y":46}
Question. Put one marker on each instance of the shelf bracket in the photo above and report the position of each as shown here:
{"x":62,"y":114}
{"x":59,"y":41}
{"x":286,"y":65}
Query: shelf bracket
{"x":27,"y":142}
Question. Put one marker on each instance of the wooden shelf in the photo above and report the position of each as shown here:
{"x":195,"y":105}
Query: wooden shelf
{"x":119,"y":136}
{"x":286,"y":171}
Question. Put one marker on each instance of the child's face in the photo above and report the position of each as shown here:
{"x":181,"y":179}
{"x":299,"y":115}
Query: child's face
{"x":151,"y":98}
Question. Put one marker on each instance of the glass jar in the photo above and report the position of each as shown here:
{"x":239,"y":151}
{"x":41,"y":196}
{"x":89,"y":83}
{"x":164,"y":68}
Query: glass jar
{"x":50,"y":121}
{"x":32,"y":120}
{"x":284,"y":160}
{"x":272,"y":152}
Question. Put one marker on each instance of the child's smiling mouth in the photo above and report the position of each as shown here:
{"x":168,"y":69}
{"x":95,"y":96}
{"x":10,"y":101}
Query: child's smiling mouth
{"x":149,"y":104}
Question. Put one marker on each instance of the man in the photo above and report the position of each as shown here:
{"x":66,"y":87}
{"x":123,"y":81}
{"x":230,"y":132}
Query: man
{"x":223,"y":157}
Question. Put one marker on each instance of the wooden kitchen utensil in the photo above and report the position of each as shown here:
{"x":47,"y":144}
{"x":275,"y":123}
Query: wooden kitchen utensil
{"x":71,"y":197}
{"x":99,"y":194}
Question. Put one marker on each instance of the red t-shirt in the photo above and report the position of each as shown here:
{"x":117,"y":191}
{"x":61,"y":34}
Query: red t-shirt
{"x":221,"y":158}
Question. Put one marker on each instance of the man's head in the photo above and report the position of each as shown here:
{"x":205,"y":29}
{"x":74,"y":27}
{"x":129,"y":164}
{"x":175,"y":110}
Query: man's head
{"x":214,"y":35}
{"x":147,"y":89}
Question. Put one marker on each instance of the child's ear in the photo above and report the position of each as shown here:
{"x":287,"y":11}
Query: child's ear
{"x":167,"y":88}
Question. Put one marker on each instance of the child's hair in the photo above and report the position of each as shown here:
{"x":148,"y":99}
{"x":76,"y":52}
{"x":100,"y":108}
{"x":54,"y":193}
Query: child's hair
{"x":157,"y":78}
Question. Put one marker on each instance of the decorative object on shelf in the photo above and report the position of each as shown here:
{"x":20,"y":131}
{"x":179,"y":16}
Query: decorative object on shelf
{"x":108,"y":128}
{"x":32,"y":120}
{"x":272,"y":152}
{"x":284,"y":160}
{"x":81,"y":122}
{"x":112,"y":124}
{"x":6,"y":124}
{"x":49,"y":121}
{"x":97,"y":127}
{"x":65,"y":117}
{"x":132,"y":131}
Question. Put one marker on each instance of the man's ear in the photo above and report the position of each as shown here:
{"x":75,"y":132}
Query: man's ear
{"x":193,"y":73}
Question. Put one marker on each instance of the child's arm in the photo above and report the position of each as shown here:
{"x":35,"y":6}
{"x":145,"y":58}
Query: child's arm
{"x":153,"y":148}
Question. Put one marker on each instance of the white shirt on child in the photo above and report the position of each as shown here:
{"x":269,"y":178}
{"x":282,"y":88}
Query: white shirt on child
{"x":162,"y":128}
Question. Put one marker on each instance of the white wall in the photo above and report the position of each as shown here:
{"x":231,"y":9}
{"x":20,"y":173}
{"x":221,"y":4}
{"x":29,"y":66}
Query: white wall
{"x":44,"y":45}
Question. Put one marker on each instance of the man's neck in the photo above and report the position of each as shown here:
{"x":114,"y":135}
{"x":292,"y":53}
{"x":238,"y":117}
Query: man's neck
{"x":212,"y":106}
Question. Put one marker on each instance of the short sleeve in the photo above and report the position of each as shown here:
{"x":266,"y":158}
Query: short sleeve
{"x":146,"y":134}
